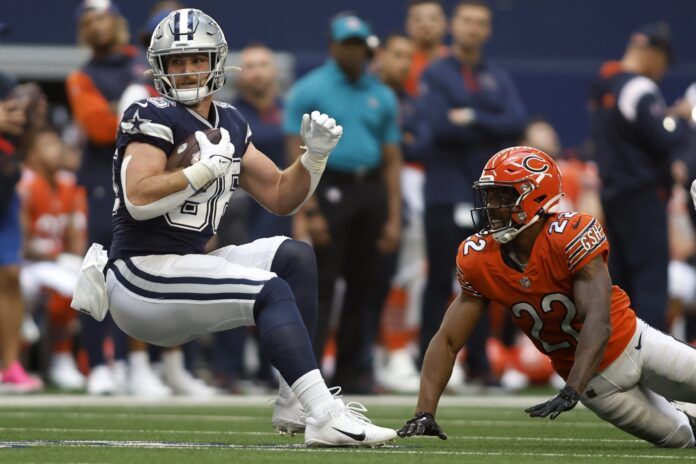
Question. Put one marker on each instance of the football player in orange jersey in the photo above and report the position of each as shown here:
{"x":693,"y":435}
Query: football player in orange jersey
{"x":549,"y":269}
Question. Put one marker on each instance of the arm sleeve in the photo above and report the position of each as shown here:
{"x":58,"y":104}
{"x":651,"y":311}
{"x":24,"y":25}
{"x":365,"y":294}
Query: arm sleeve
{"x":436,"y":108}
{"x":510,"y":120}
{"x":91,"y":110}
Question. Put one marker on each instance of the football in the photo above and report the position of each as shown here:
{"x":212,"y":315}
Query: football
{"x":188,"y":152}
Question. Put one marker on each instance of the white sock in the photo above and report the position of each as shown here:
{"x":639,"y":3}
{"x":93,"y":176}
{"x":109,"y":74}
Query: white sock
{"x":139,"y":359}
{"x":311,"y":392}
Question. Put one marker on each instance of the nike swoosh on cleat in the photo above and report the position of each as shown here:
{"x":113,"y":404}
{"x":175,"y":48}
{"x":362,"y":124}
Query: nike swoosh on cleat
{"x":354,"y":436}
{"x":640,"y":341}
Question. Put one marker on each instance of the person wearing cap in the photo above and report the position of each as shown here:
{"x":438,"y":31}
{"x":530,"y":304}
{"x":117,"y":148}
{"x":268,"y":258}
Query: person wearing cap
{"x":473,"y":109}
{"x":93,"y":92}
{"x":635,"y":136}
{"x":355,"y":215}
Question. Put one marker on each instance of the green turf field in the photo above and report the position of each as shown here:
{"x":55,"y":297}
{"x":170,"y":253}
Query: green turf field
{"x":47,"y":432}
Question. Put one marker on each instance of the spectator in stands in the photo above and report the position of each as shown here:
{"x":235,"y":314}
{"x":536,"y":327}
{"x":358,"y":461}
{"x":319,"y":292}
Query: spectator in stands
{"x":13,"y":125}
{"x":474,"y":110}
{"x":634,"y":138}
{"x":93,"y":93}
{"x":399,"y":373}
{"x":53,"y":210}
{"x":355,"y":214}
{"x":426,"y":25}
{"x":580,"y":182}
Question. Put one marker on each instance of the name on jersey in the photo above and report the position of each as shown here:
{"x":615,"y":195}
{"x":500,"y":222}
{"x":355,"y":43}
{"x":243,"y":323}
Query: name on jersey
{"x":585,"y":243}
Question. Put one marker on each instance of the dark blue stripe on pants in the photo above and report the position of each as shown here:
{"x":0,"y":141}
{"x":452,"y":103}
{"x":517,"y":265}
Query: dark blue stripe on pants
{"x":179,"y":295}
{"x":188,"y":279}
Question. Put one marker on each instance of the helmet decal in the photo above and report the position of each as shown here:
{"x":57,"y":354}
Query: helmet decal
{"x":534,"y":163}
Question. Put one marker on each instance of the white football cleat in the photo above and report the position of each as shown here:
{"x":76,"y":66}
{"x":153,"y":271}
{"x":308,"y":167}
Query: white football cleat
{"x":288,"y":416}
{"x":345,"y":425}
{"x":180,"y":380}
{"x":185,"y":384}
{"x":63,"y":372}
{"x":101,"y":381}
{"x":399,"y":374}
{"x":513,"y":380}
{"x":142,"y":381}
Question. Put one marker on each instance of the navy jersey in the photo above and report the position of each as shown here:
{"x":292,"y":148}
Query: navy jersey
{"x":186,"y":229}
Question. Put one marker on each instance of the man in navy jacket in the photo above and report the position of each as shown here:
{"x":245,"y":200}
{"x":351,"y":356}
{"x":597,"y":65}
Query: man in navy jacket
{"x":474,"y":110}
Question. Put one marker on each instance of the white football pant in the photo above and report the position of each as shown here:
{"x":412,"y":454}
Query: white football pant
{"x":631,"y":393}
{"x":168,"y":300}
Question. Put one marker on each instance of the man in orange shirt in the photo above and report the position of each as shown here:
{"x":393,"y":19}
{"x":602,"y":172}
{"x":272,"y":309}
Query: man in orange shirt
{"x":549,"y":268}
{"x":426,"y":25}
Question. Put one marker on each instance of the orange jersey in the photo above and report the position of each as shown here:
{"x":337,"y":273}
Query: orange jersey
{"x":419,"y":62}
{"x":50,"y":210}
{"x":540,"y":299}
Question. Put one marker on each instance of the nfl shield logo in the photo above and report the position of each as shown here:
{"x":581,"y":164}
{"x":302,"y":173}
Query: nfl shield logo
{"x":525,"y":283}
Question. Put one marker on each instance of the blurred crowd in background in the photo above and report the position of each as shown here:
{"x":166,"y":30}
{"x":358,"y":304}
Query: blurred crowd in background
{"x":423,"y":109}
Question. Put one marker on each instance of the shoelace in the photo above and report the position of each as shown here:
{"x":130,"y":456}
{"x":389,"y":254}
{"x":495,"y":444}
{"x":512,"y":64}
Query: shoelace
{"x":354,"y":409}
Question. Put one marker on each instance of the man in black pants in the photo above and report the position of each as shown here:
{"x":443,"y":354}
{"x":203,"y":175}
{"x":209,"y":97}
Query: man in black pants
{"x":355,"y":214}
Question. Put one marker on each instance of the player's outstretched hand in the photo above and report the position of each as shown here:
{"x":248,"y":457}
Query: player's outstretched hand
{"x":564,"y":401}
{"x":423,"y":423}
{"x":320,"y":133}
{"x":216,"y":156}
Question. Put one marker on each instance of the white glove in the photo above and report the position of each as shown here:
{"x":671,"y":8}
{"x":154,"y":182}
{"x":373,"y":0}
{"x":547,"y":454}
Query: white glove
{"x":320,"y":134}
{"x":693,"y":192}
{"x":215,"y":160}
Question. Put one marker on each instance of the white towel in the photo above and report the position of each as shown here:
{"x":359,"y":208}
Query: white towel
{"x":90,"y":293}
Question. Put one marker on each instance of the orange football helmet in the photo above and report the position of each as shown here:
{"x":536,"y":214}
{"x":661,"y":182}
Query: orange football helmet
{"x":535,"y":183}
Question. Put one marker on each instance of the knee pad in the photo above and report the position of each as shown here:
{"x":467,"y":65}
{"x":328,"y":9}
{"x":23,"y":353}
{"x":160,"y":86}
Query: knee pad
{"x":293,"y":257}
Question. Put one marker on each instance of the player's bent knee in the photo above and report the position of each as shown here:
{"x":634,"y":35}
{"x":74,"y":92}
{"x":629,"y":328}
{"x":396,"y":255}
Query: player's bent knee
{"x":294,"y":256}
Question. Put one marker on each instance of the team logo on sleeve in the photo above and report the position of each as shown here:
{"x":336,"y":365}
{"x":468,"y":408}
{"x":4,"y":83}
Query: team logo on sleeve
{"x":138,"y":125}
